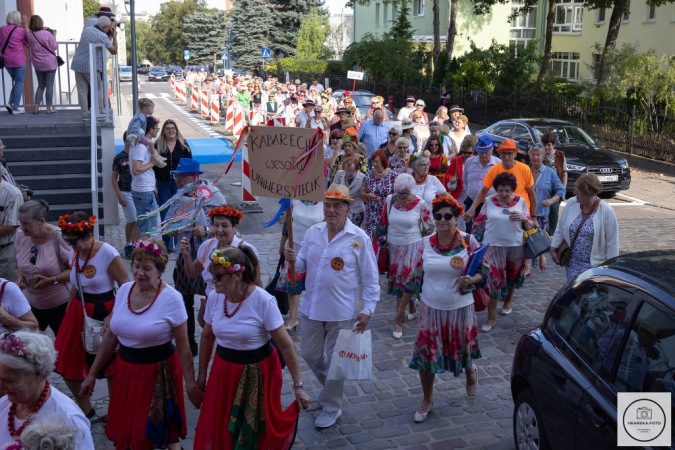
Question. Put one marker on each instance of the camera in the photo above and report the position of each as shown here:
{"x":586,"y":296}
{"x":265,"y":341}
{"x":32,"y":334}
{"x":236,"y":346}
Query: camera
{"x":644,"y":413}
{"x":113,"y":24}
{"x":53,"y":32}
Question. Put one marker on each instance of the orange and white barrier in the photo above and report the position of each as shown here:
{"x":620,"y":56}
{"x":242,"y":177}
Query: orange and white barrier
{"x":215,"y":109}
{"x":183,"y":98}
{"x":138,"y":82}
{"x":194,"y":105}
{"x":238,"y":121}
{"x":176,"y":92}
{"x":246,"y":176}
{"x":229,"y":117}
{"x":205,"y":103}
{"x":255,"y":118}
{"x":173,"y":82}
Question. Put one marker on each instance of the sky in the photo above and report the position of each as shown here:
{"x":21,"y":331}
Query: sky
{"x":152,"y":6}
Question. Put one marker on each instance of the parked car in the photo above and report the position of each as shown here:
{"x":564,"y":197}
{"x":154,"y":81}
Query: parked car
{"x":206,"y":69}
{"x":176,"y":71}
{"x":125,"y":73}
{"x":361,"y":101}
{"x":158,"y":73}
{"x":610,"y":330}
{"x":144,"y":68}
{"x":584,"y":154}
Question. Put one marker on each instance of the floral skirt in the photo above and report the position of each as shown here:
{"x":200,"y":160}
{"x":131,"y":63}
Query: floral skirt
{"x":221,"y":390}
{"x":447,"y":341}
{"x":507,"y":269}
{"x":402,"y":261}
{"x":284,"y":283}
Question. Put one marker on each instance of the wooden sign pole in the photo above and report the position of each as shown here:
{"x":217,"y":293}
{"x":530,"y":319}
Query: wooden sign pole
{"x":289,"y":228}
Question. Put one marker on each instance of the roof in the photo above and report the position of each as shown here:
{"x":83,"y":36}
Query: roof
{"x":535,"y":122}
{"x":653,"y":266}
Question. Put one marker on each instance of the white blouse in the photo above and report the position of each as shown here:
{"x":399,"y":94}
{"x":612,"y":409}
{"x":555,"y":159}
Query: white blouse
{"x":500,"y":231}
{"x":204,"y":252}
{"x":98,"y":281}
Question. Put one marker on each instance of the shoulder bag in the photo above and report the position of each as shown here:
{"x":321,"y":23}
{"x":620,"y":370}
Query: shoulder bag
{"x":59,"y":60}
{"x":481,"y":294}
{"x":4,"y":47}
{"x":271,"y":288}
{"x":92,"y":335}
{"x":537,"y":242}
{"x":564,"y":252}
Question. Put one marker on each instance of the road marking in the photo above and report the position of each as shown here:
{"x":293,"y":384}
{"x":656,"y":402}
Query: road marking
{"x":197,"y":121}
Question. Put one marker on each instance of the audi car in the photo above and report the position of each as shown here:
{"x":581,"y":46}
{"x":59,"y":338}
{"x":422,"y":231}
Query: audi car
{"x":158,"y":73}
{"x":583,"y":153}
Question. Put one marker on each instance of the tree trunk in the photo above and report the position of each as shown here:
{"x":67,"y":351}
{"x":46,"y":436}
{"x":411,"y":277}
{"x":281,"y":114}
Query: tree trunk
{"x":437,"y":32}
{"x":610,"y":42}
{"x":546,"y":61}
{"x":452,"y":28}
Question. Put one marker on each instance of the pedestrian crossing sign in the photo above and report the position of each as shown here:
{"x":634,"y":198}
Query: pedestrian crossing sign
{"x":266,"y":53}
{"x":223,"y":56}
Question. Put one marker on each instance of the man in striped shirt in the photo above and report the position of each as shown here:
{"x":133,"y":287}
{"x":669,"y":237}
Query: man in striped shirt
{"x":10,"y":200}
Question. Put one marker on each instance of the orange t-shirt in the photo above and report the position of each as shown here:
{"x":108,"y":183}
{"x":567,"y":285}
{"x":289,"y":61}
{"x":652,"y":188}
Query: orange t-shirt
{"x":522,"y":174}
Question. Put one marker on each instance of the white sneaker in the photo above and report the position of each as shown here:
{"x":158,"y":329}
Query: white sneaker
{"x":18,"y":111}
{"x":327,"y":418}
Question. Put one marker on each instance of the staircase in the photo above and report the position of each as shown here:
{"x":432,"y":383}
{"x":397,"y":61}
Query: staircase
{"x":51,"y":155}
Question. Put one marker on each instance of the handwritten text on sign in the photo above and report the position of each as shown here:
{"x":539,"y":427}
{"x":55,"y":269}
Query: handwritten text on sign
{"x":274,"y":167}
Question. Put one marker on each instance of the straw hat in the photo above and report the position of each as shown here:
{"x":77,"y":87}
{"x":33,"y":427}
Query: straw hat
{"x":339,"y":192}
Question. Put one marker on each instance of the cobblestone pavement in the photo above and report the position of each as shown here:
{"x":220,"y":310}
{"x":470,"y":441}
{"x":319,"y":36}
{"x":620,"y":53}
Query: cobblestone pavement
{"x":377,"y":414}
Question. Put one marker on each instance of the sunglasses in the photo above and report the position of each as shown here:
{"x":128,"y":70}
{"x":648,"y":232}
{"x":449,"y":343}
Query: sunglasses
{"x":219,"y":276}
{"x":467,"y":153}
{"x":72,"y":241}
{"x":447,"y":217}
{"x":177,"y":176}
{"x":33,"y":252}
{"x":393,"y":134}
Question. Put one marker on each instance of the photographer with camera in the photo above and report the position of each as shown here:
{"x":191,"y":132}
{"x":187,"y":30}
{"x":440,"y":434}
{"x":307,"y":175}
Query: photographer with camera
{"x":98,"y":34}
{"x":42,"y":44}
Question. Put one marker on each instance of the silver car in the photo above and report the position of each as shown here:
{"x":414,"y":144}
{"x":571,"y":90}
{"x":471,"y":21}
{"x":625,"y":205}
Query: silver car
{"x":125,"y":73}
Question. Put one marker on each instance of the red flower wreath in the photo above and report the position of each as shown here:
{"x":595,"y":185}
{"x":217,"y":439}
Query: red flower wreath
{"x":226,"y":211}
{"x":78,"y":227}
{"x":449,"y":201}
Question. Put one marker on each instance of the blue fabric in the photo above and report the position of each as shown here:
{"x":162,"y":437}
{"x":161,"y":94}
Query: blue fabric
{"x":166,"y":190}
{"x":548,"y":185}
{"x":137,"y":125}
{"x":145,"y":202}
{"x":373,"y":135}
{"x":17,"y":74}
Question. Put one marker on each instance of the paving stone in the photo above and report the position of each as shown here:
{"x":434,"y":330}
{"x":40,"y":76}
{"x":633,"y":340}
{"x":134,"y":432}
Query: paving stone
{"x":377,"y":445}
{"x":448,"y":444}
{"x":350,"y":429}
{"x":388,"y":432}
{"x":500,"y":414}
{"x":337,"y":443}
{"x":360,"y":438}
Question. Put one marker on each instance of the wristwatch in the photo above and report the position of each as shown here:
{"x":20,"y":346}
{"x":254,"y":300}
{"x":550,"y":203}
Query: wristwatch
{"x":55,"y":280}
{"x":367,"y":312}
{"x":299,"y":384}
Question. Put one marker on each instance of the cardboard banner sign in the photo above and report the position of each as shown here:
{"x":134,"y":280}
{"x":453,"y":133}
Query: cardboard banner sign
{"x":274,"y":167}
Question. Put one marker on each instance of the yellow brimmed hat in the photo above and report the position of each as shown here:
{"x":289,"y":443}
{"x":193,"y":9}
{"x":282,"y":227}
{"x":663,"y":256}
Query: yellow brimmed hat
{"x":339,"y":192}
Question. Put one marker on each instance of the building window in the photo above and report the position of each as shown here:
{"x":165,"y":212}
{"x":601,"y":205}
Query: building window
{"x":523,"y":27}
{"x":418,"y":8}
{"x":601,"y":15}
{"x":651,"y":13}
{"x":377,"y":14}
{"x":386,"y":15}
{"x":626,"y":15}
{"x":597,"y":61}
{"x":568,"y":17}
{"x":565,"y":65}
{"x":393,"y":13}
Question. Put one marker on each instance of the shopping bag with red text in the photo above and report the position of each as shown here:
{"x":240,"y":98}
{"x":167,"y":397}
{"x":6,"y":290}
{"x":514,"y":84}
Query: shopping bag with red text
{"x":352,"y":357}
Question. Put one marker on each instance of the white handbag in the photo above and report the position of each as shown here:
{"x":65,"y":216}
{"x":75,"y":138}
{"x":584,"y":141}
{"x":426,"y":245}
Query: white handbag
{"x":92,"y":335}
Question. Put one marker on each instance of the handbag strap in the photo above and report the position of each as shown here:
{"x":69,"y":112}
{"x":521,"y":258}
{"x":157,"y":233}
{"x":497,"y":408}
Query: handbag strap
{"x":57,"y":251}
{"x":2,"y":290}
{"x":45,"y":47}
{"x":79,"y":287}
{"x":279,"y":264}
{"x":576,"y":234}
{"x":7,"y":41}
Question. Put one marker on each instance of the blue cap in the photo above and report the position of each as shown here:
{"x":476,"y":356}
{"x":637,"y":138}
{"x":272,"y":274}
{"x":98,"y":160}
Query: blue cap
{"x":484,"y":144}
{"x":187,"y":165}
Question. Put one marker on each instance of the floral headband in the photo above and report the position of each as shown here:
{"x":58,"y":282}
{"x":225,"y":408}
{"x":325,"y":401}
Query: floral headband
{"x":11,"y":344}
{"x":218,"y":257}
{"x":448,"y":201}
{"x":78,"y":227}
{"x":152,"y":248}
{"x":225,"y":211}
{"x":351,"y":138}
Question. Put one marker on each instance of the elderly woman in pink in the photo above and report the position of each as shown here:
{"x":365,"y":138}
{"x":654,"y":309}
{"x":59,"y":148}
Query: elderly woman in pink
{"x":42,"y":43}
{"x":12,"y":42}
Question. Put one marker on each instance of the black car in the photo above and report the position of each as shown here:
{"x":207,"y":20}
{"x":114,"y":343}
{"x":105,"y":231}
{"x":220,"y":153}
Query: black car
{"x":583,"y":153}
{"x":177,"y":71}
{"x":610,"y":330}
{"x":158,"y":73}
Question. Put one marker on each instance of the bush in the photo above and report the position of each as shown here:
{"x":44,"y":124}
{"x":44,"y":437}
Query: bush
{"x":297,"y":65}
{"x":441,"y":69}
{"x":336,"y":67}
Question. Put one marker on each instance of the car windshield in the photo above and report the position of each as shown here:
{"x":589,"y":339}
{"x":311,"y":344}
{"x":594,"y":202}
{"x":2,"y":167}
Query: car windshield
{"x":156,"y":69}
{"x":362,"y":100}
{"x":566,"y":134}
{"x":125,"y":69}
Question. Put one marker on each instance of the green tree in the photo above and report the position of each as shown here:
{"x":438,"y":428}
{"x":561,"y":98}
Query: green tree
{"x":89,"y":8}
{"x":287,"y":19}
{"x":252,"y":26}
{"x":402,"y":28}
{"x":311,"y":37}
{"x":144,"y":36}
{"x":167,"y":40}
{"x":440,"y":69}
{"x":205,"y":31}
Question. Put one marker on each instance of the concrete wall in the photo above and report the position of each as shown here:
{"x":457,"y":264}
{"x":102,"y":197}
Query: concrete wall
{"x":658,"y":34}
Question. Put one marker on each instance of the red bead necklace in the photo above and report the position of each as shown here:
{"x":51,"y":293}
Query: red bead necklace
{"x":592,"y":207}
{"x":423,"y":180}
{"x":241,"y":300}
{"x":31,"y":415}
{"x":86,"y":261}
{"x":138,"y":313}
{"x":449,"y":246}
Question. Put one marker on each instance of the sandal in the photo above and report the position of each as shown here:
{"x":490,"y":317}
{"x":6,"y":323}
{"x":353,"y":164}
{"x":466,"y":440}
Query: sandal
{"x":542,"y":264}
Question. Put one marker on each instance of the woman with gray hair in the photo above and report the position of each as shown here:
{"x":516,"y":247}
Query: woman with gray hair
{"x":400,"y":160}
{"x":49,"y":433}
{"x":26,"y":361}
{"x":427,"y":187}
{"x":13,"y":40}
{"x":406,"y":220}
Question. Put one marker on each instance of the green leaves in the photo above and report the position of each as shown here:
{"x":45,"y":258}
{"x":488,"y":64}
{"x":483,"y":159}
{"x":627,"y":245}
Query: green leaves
{"x":205,"y":31}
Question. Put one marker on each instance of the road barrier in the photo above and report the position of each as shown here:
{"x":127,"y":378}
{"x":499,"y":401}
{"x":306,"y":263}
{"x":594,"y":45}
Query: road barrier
{"x":195,"y":98}
{"x":215,"y":109}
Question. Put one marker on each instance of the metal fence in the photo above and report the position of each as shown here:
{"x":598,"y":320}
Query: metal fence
{"x":619,"y":127}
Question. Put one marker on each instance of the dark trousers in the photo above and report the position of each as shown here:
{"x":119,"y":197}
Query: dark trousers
{"x":189,"y":300}
{"x":50,"y":317}
{"x":467,"y":204}
{"x":553,"y":215}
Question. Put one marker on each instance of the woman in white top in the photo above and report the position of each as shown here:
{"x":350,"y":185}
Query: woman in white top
{"x":98,"y":266}
{"x":15,"y":311}
{"x":406,"y":220}
{"x":317,"y":120}
{"x":26,"y":361}
{"x":501,"y":223}
{"x":241,"y":318}
{"x":148,"y":315}
{"x":427,"y":187}
{"x":595,"y":223}
{"x":447,"y":327}
{"x":305,"y":214}
{"x":459,"y":132}
{"x":353,"y":178}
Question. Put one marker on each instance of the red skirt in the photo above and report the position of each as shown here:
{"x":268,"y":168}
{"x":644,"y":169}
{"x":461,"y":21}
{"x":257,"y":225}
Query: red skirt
{"x":129,"y":407}
{"x":214,"y":419}
{"x":73,"y":361}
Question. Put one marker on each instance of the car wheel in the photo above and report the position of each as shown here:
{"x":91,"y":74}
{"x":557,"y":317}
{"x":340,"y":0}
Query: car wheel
{"x":610,"y":194}
{"x":528,"y":427}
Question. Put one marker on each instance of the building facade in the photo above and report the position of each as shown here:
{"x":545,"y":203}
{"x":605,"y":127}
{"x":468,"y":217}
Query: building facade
{"x":577,"y":30}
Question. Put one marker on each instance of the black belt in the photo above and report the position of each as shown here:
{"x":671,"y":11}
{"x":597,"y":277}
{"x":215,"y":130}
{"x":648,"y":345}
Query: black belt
{"x":245,"y":356}
{"x":97,"y":298}
{"x":147,"y":355}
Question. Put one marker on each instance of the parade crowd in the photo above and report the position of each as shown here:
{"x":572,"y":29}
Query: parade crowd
{"x":411,"y":199}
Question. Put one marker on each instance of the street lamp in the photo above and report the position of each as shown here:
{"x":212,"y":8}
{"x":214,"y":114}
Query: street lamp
{"x":130,"y":6}
{"x":227,"y":46}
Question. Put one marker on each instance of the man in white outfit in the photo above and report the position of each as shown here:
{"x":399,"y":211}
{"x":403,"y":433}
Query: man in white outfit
{"x":334,"y":255}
